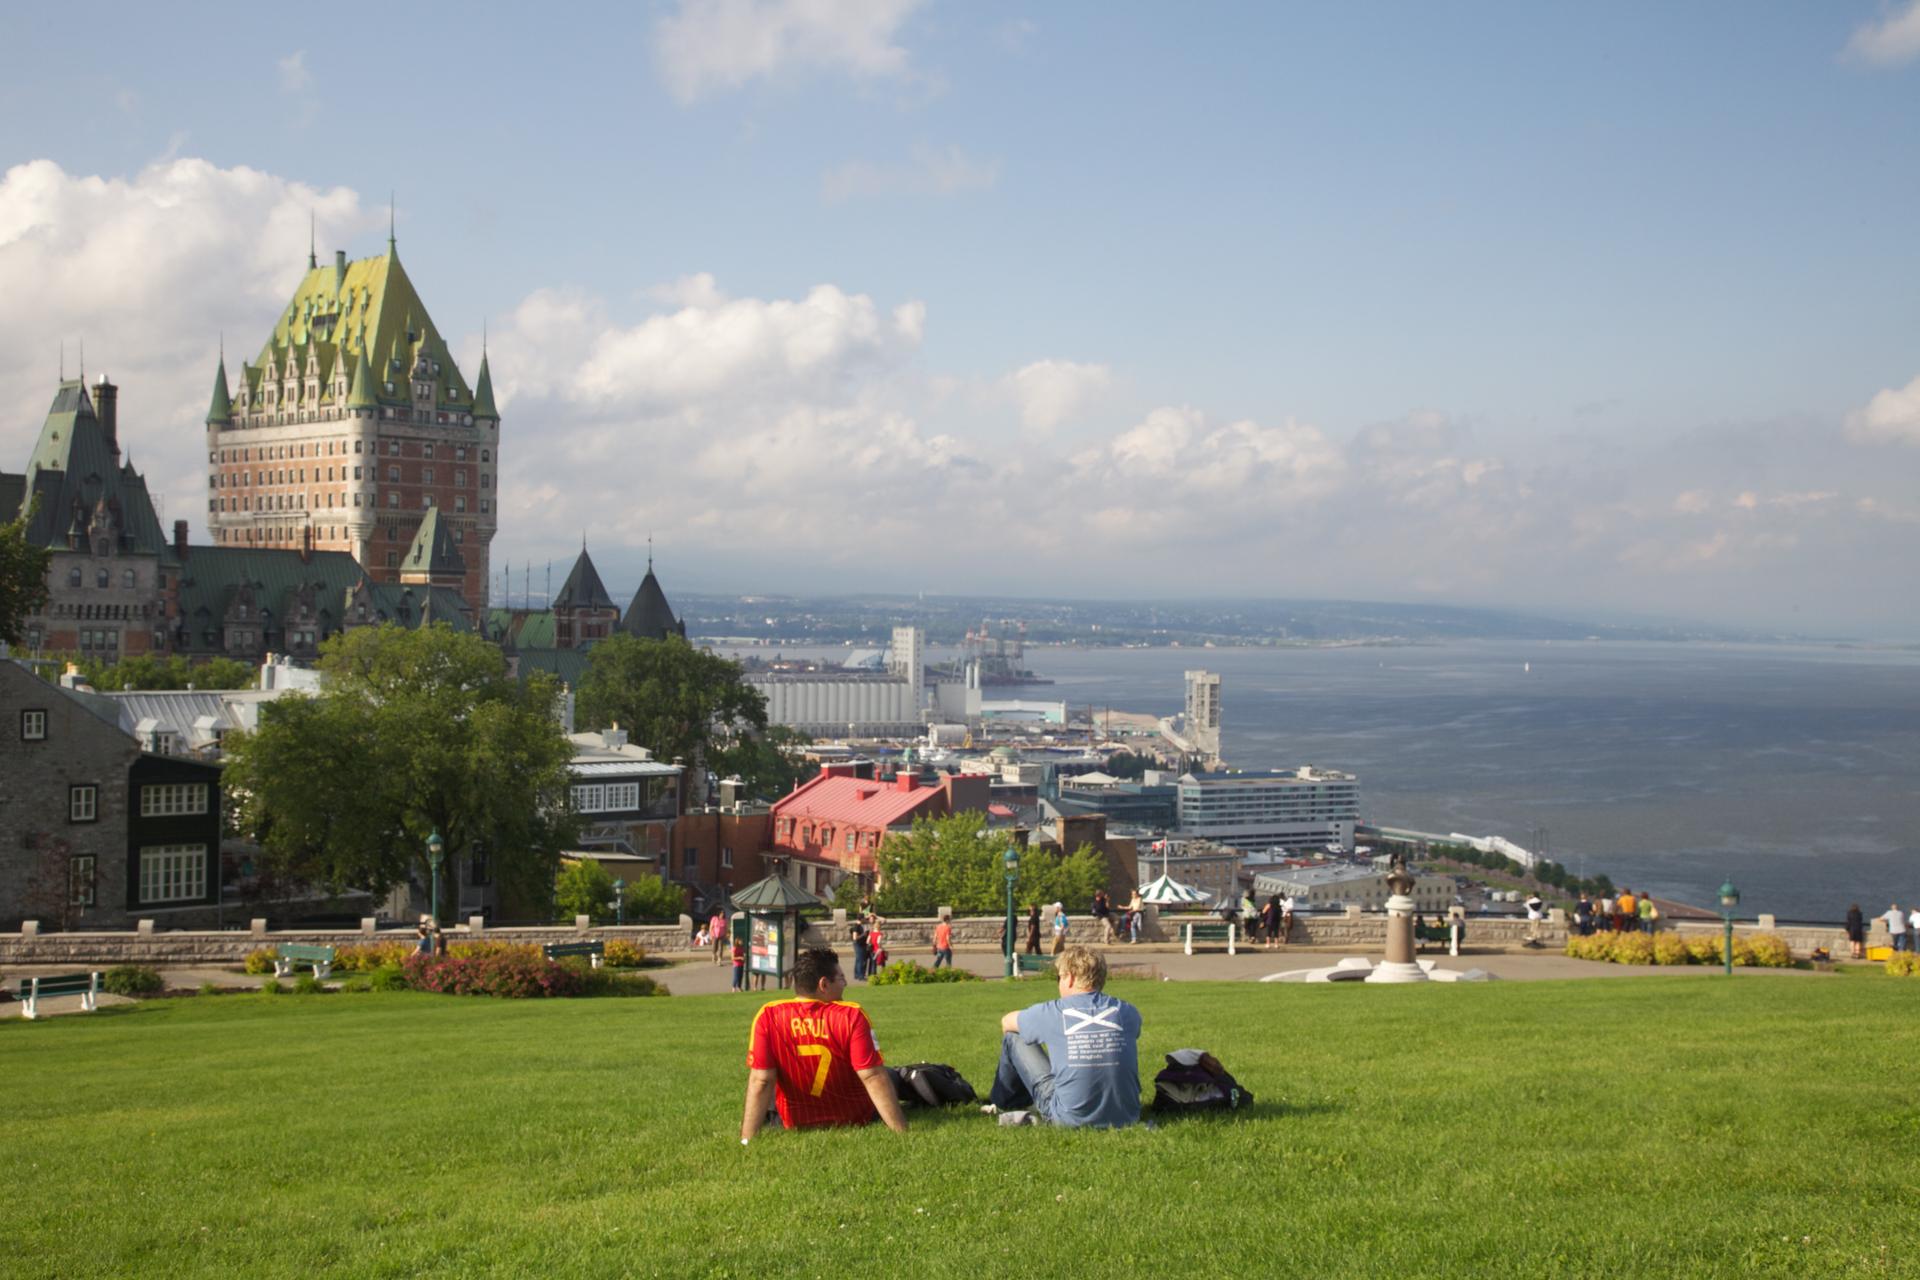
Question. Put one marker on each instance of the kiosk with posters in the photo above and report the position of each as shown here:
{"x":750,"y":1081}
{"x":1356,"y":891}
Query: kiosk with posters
{"x":772,"y":926}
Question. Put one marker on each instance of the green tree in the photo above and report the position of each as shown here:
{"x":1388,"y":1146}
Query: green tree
{"x":651,"y":898}
{"x":679,"y":702}
{"x":413,"y":732}
{"x":1125,"y":764}
{"x":23,"y":576}
{"x":583,"y":888}
{"x":953,"y":861}
{"x":769,"y":763}
{"x":146,"y":671}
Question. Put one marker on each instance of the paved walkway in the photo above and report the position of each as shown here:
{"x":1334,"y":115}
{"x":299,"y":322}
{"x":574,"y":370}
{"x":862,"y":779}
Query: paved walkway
{"x":697,"y":975}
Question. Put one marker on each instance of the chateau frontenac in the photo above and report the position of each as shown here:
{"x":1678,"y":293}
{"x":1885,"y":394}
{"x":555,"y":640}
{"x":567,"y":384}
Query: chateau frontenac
{"x":351,"y":426}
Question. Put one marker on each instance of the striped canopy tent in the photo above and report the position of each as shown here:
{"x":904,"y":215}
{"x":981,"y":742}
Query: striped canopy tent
{"x":1168,"y":892}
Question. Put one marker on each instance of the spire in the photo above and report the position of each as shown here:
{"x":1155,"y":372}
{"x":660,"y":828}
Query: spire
{"x":483,"y":390}
{"x":220,"y":409}
{"x":313,"y":258}
{"x":360,"y":391}
{"x":390,"y":243}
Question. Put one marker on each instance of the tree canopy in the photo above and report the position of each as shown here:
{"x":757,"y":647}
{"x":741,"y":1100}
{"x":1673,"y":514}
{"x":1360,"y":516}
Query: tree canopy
{"x":148,"y":672}
{"x":769,"y":763}
{"x":23,"y":577}
{"x":952,"y":861}
{"x":414,"y":731}
{"x":679,"y":702}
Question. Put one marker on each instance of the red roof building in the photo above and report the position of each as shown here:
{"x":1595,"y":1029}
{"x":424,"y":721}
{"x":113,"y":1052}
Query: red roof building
{"x":837,"y":820}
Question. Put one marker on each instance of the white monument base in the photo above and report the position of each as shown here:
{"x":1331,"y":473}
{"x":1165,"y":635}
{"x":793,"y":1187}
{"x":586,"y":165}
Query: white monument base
{"x":1390,"y":971}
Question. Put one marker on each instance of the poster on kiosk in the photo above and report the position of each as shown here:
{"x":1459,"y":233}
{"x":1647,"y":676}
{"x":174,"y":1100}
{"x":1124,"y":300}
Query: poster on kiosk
{"x":763,"y":951}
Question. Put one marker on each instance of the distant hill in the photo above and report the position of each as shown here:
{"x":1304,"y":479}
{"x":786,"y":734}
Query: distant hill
{"x":946,"y":619}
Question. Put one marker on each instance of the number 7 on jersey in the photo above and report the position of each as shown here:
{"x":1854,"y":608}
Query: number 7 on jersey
{"x":825,"y":1055}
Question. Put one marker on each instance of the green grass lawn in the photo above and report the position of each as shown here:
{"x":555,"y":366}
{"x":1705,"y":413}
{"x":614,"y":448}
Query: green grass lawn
{"x":1664,"y":1126}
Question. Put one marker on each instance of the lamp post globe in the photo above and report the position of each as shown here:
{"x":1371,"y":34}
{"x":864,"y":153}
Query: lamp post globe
{"x":1012,"y":861}
{"x":436,"y":850}
{"x":1729,"y":899}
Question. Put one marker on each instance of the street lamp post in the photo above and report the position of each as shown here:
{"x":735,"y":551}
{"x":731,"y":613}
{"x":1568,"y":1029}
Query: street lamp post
{"x":1729,"y":899}
{"x":1013,"y":870}
{"x":436,"y":850}
{"x":619,"y":901}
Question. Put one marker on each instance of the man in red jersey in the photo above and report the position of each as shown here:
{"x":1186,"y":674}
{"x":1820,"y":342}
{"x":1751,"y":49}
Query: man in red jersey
{"x":815,"y":1055}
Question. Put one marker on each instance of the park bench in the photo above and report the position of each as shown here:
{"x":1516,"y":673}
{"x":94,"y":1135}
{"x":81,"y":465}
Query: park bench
{"x":1196,"y":931}
{"x":84,"y":985}
{"x":289,"y":954}
{"x":595,"y":952}
{"x":1035,"y":964}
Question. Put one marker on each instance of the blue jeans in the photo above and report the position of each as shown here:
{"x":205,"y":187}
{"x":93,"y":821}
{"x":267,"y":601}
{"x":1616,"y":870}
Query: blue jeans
{"x":1024,"y":1077}
{"x":943,"y":956}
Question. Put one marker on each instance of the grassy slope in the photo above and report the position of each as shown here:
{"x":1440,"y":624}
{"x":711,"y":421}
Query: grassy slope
{"x":1670,"y":1126}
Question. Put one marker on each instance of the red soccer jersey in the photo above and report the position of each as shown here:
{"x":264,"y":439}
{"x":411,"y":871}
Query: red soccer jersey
{"x":817,"y":1048}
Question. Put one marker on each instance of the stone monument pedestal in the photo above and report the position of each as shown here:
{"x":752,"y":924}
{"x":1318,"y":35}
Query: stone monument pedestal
{"x":1399,"y":966}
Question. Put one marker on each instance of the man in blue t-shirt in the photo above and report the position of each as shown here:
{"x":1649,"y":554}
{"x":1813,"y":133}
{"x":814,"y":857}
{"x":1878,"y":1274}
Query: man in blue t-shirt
{"x":1073,"y":1061}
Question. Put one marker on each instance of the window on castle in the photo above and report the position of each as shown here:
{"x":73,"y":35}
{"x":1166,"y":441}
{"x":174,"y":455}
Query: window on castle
{"x":356,"y":446}
{"x":426,"y":501}
{"x":126,"y":577}
{"x":485,"y":506}
{"x":100,"y":578}
{"x":486,"y":481}
{"x":426,"y":473}
{"x":393,"y":497}
{"x":393,"y":475}
{"x":393,"y":559}
{"x":460,"y":502}
{"x":393,"y":448}
{"x":427,"y":451}
{"x":486,"y":455}
{"x":73,"y":577}
{"x":460,"y":453}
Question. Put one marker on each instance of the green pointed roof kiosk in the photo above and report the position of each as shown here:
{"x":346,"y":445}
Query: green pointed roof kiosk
{"x":768,"y":920}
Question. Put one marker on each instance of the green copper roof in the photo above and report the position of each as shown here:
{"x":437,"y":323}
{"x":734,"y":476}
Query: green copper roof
{"x":433,"y":549}
{"x":361,"y":396}
{"x":522,"y":628}
{"x":220,"y":411}
{"x":483,"y":393}
{"x":369,"y":310}
{"x":583,"y":588}
{"x":75,"y":470}
{"x":212,"y":576}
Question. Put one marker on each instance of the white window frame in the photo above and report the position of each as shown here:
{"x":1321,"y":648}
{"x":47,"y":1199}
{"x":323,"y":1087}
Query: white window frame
{"x":81,"y":876}
{"x":172,"y":799}
{"x":33,"y":724}
{"x":173,"y":873}
{"x":83,"y":802}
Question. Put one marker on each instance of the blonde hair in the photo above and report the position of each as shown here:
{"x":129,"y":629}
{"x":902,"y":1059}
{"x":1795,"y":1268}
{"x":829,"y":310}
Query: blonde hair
{"x":1082,"y":966}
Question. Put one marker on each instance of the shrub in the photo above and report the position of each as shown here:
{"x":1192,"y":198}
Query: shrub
{"x":210,"y":988}
{"x":357,"y":984}
{"x":260,"y":960}
{"x":364,"y":957}
{"x":907,"y":973}
{"x":272,"y":987}
{"x":484,"y":949}
{"x":1704,"y":948}
{"x":624,"y":954}
{"x":1670,"y":948}
{"x":609,"y":982}
{"x":1770,"y":951}
{"x":307,"y":985}
{"x":1631,"y":948}
{"x":1903,"y":964}
{"x":132,"y":980}
{"x":583,"y":888}
{"x":507,"y":973}
{"x":388,"y":978}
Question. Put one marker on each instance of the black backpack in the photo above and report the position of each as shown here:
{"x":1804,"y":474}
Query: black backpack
{"x":1194,"y":1080}
{"x":931,"y":1084}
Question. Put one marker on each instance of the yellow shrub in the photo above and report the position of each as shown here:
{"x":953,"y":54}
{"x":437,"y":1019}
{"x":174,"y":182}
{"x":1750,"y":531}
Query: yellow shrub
{"x":1704,"y":948}
{"x":365,"y":957}
{"x":1743,"y":955}
{"x":1631,"y":948}
{"x":525,"y":950}
{"x":1903,"y":964}
{"x":1770,"y":951}
{"x":260,"y":960}
{"x":1670,"y":948}
{"x":623,"y":953}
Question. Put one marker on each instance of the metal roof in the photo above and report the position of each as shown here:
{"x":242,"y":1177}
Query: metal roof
{"x":862,"y":801}
{"x":611,"y":768}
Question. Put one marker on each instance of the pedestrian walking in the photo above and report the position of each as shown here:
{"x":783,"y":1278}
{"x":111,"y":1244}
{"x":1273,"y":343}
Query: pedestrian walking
{"x":1033,"y":929}
{"x":1897,"y":926}
{"x":1856,"y":932}
{"x":1135,"y":908}
{"x":1059,"y":927}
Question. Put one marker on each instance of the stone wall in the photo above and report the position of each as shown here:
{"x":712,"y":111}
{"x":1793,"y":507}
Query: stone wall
{"x":906,"y":937}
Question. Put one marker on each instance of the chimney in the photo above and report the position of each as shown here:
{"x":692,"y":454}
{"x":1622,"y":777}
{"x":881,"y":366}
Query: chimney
{"x":180,"y":539}
{"x":106,"y":407}
{"x":339,"y":267}
{"x":905,"y":781}
{"x":613,"y":739}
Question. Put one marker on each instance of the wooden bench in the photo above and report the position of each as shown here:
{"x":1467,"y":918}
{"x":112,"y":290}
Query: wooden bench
{"x":1034,"y":964}
{"x":84,"y":985}
{"x":595,"y":952}
{"x":1222,"y":932}
{"x":289,"y":954}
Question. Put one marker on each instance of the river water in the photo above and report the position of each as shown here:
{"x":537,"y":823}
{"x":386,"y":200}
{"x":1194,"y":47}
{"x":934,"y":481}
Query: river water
{"x":1793,"y":770}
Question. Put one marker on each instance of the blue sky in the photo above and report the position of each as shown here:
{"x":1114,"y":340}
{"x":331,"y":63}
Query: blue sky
{"x":1606,"y":309}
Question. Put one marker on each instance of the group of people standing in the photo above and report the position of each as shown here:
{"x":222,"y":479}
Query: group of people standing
{"x":1622,"y":913}
{"x":869,"y":938}
{"x":1903,"y":929}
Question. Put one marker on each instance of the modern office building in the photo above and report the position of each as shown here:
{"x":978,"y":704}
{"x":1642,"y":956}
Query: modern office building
{"x":1255,"y":809}
{"x":1202,"y":723}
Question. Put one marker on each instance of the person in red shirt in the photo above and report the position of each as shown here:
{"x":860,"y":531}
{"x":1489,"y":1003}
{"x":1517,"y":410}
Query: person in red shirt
{"x":815,"y":1054}
{"x":943,"y":942}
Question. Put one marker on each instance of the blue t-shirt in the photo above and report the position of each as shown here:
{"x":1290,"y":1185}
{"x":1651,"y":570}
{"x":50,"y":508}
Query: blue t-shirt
{"x":1093,"y":1042}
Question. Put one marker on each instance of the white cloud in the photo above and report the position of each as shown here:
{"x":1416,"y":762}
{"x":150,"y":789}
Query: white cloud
{"x":713,"y":45}
{"x":1893,"y":41}
{"x":1891,"y":417}
{"x":928,"y":171}
{"x":148,"y":271}
{"x":294,"y":75}
{"x":1050,"y":392}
